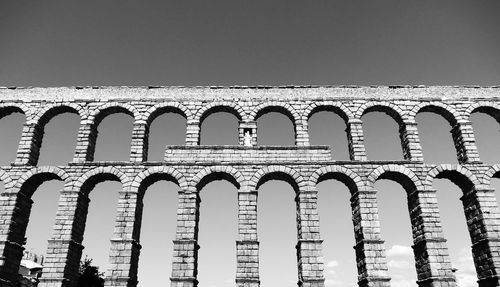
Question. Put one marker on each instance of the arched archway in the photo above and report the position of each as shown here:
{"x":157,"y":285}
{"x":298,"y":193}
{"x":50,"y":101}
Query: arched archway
{"x":325,"y":125}
{"x":219,"y":126}
{"x":383,"y":130}
{"x":58,"y":129}
{"x":112,"y":134}
{"x":276,"y":125}
{"x":436,"y":125}
{"x":11,"y":126}
{"x":485,"y":122}
{"x":277,"y":229}
{"x":165,"y":125}
{"x":218,"y":228}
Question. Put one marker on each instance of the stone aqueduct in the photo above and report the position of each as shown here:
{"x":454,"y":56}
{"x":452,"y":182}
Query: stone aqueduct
{"x":247,"y":167}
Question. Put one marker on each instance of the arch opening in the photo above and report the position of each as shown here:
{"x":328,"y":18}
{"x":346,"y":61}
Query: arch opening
{"x":325,"y":125}
{"x":166,"y":126}
{"x":382,"y":132}
{"x":218,"y":229}
{"x":29,"y":231}
{"x":434,"y":127}
{"x":336,"y":226}
{"x":156,"y":220}
{"x":275,"y":126}
{"x":277,"y":231}
{"x":396,"y":226}
{"x":485,"y":122}
{"x":12,"y":120}
{"x":113,"y":133}
{"x":59,"y":130}
{"x":219,"y":127}
{"x":99,"y":217}
{"x":450,"y":186}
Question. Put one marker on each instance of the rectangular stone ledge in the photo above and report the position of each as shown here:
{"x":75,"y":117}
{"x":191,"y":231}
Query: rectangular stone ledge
{"x":221,"y":154}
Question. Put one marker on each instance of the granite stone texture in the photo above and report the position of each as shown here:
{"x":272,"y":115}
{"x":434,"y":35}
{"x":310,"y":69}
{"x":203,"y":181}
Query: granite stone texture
{"x":248,"y":166}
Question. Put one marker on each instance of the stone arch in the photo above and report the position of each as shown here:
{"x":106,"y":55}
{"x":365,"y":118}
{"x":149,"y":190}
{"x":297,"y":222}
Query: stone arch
{"x":97,"y":115}
{"x":208,"y":174}
{"x":458,"y":174}
{"x":398,"y":173}
{"x":153,"y":112}
{"x":338,"y":108}
{"x":446,"y":111}
{"x":38,"y":175}
{"x":156,"y":173}
{"x":279,"y":107}
{"x":343,"y":174}
{"x":490,"y":108}
{"x":389,"y":108}
{"x":7,"y":109}
{"x":43,"y":117}
{"x":89,"y":179}
{"x":267,"y":173}
{"x":215,"y":107}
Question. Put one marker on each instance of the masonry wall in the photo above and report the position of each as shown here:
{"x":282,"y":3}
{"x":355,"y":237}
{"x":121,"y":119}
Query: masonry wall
{"x":248,"y":166}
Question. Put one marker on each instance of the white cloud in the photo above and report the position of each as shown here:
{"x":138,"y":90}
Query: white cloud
{"x":399,"y":250}
{"x":332,"y":264}
{"x":400,"y":264}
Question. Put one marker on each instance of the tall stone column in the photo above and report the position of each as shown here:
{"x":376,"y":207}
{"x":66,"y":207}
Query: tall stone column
{"x":192,"y":132}
{"x":483,"y":220}
{"x":302,"y":134}
{"x":412,"y":150}
{"x":139,"y":143}
{"x":85,"y":142}
{"x":29,"y":145}
{"x":14,"y":214}
{"x":64,"y":252}
{"x":247,"y":246}
{"x":465,"y":142}
{"x":125,"y":247}
{"x":428,"y":241}
{"x":309,"y":249}
{"x":370,"y":250}
{"x":356,"y":140}
{"x":185,"y":256}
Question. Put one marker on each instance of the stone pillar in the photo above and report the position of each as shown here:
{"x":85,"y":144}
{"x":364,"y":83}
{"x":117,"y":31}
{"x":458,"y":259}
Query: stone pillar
{"x":247,"y":247}
{"x":483,"y":220}
{"x":64,"y":252}
{"x":85,"y":143}
{"x":302,"y":134}
{"x":192,"y":132}
{"x":125,"y":247}
{"x":14,"y":214}
{"x":370,"y":250}
{"x":309,"y":249}
{"x":139,"y":143}
{"x":410,"y":141}
{"x":428,"y":241}
{"x":465,"y":143}
{"x":185,"y":256}
{"x":247,"y":127}
{"x":29,"y":145}
{"x":356,"y":140}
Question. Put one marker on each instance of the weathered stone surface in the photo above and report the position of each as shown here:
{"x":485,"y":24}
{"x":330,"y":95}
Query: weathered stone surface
{"x":247,"y":167}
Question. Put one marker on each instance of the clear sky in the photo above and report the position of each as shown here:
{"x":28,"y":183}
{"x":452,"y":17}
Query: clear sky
{"x":65,"y":43}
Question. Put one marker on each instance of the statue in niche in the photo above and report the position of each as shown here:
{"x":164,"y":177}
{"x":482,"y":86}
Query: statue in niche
{"x":247,"y":139}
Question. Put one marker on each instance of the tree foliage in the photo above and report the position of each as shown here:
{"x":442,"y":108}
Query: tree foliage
{"x":89,"y":275}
